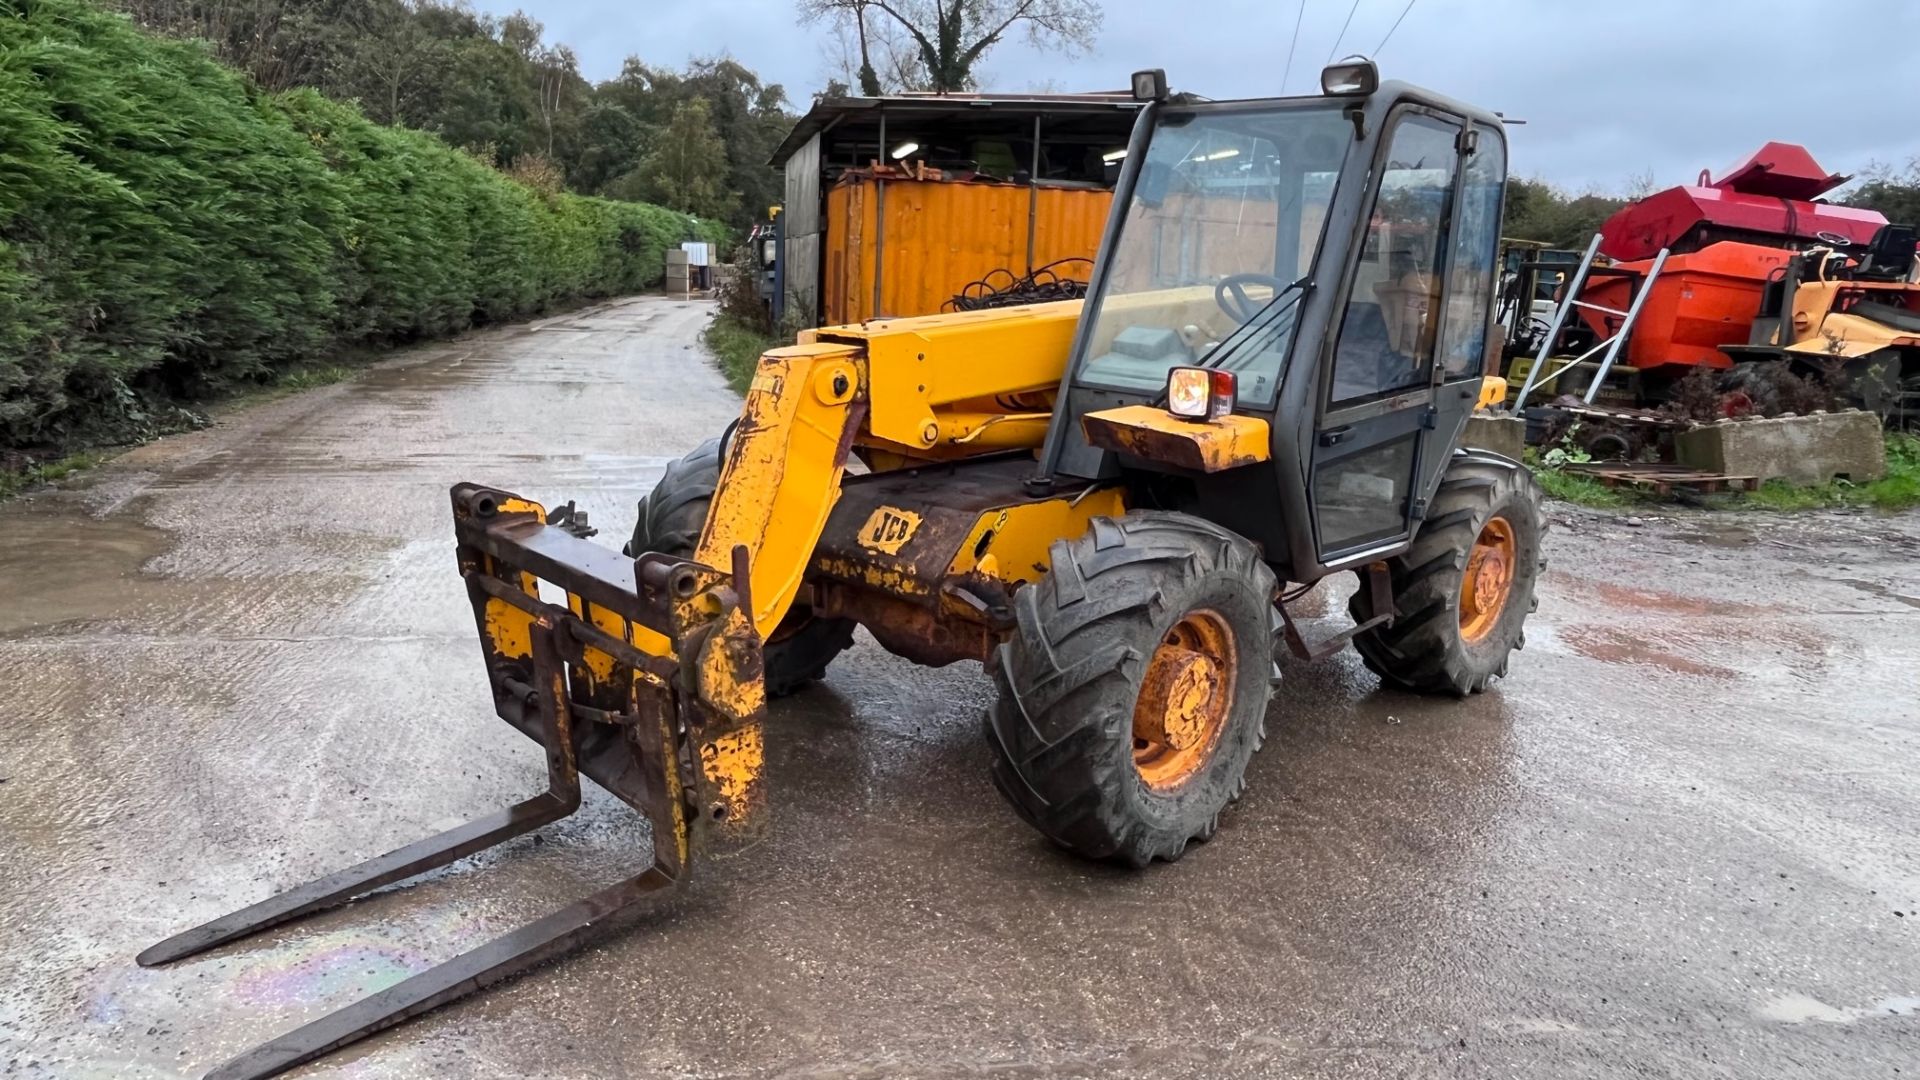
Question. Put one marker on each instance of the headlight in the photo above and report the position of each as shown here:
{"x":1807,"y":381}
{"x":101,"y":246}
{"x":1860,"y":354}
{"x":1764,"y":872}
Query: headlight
{"x":1150,"y":85}
{"x":1195,"y":393}
{"x":1354,"y":75}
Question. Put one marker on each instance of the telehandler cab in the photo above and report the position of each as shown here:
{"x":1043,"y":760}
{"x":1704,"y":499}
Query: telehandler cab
{"x":1099,"y":500}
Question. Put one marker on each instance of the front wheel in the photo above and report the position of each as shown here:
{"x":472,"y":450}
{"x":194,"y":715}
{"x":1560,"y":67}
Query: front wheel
{"x":1135,"y":688}
{"x":1464,"y":589}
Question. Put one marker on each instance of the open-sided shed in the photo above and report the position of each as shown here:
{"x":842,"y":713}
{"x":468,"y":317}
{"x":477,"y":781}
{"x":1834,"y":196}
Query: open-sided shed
{"x":895,"y":205}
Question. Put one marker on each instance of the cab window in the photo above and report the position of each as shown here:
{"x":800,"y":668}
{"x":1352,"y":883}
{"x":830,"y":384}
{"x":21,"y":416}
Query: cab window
{"x":1476,"y":244}
{"x":1390,"y":328}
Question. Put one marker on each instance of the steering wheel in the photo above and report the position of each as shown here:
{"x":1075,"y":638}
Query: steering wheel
{"x":1833,"y":238}
{"x":1230,"y":293}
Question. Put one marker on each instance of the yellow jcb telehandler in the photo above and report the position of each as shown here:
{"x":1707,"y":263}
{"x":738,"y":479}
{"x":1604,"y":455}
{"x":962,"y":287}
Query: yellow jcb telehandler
{"x":1099,"y":500}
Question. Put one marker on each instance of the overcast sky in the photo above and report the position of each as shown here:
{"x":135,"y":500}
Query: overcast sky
{"x":1610,"y":91}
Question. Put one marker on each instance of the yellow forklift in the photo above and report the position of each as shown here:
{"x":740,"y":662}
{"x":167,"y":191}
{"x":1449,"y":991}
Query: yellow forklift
{"x":1109,"y":503}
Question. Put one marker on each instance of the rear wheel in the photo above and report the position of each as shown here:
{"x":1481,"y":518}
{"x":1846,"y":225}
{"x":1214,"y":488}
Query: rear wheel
{"x":1464,"y":589}
{"x":671,"y":517}
{"x":1135,"y":689}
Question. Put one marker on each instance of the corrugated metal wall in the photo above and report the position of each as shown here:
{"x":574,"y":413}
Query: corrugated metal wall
{"x":942,"y":235}
{"x":800,"y":261}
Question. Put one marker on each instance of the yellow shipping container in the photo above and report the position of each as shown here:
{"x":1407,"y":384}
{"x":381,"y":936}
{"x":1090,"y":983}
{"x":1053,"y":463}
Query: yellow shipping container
{"x":941,"y":235}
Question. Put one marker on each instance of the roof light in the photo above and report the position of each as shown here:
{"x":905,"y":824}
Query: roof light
{"x":1356,"y":75}
{"x":1150,"y":85}
{"x":1220,"y":155}
{"x":1112,"y":156}
{"x":903,"y":150}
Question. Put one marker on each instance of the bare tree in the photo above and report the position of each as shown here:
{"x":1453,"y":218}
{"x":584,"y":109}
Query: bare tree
{"x":559,"y":70}
{"x":281,"y":43}
{"x":393,"y":57}
{"x":951,"y":36}
{"x":874,"y":56}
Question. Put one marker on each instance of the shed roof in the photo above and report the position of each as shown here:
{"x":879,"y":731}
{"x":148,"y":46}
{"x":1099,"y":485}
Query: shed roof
{"x":858,"y":118}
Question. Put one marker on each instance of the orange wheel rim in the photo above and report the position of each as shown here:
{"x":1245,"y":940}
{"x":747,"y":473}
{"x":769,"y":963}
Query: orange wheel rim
{"x":1184,"y":700}
{"x":1488,"y":582}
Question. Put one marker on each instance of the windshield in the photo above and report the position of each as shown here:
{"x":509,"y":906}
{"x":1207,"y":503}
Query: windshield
{"x":1220,"y":232}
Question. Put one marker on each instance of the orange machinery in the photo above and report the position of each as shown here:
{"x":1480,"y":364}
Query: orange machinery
{"x":1727,"y":239}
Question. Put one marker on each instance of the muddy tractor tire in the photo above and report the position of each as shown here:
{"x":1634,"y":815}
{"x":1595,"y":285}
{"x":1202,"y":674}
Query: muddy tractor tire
{"x":670,"y":521}
{"x":1135,"y":688}
{"x":1465,"y":588}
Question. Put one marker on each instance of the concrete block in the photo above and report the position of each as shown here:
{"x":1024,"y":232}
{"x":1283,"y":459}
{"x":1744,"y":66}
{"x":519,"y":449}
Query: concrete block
{"x":1800,"y":449}
{"x":1502,"y":433}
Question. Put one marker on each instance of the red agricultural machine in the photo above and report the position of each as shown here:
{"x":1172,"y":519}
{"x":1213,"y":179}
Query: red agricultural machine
{"x":1749,"y":267}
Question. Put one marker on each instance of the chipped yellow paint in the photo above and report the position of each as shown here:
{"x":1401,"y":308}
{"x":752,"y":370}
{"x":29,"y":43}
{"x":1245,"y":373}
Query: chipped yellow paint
{"x":782,"y":473}
{"x":724,"y":685}
{"x":509,"y":630}
{"x":597,"y":662}
{"x":888,"y":529}
{"x":732,"y":764}
{"x":1157,"y":435}
{"x":1017,"y":552}
{"x":676,"y":792}
{"x":889,"y":579}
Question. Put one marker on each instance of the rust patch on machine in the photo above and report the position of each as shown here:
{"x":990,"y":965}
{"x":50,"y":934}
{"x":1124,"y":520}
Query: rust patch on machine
{"x":1152,"y":434}
{"x":905,"y":628}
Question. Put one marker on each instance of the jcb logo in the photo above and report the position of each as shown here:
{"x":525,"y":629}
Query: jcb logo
{"x":891,"y":528}
{"x":888,"y":530}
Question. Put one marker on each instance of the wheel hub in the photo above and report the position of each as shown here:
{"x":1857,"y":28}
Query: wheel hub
{"x":1185,"y":698}
{"x":1488,"y":579}
{"x":1180,"y":683}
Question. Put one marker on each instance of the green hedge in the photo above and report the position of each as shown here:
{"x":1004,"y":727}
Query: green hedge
{"x":169,"y":231}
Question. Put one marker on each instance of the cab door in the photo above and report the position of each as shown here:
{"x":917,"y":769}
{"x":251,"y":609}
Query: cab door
{"x":1386,"y":382}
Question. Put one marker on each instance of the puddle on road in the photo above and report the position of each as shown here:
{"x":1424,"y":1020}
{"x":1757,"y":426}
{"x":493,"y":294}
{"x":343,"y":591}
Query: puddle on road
{"x":97,"y":575}
{"x":1610,"y":645}
{"x":1632,"y":599}
{"x":1692,"y":635}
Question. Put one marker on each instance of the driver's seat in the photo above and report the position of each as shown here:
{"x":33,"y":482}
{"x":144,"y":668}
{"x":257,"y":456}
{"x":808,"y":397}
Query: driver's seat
{"x":1889,"y":255}
{"x":1404,"y":303}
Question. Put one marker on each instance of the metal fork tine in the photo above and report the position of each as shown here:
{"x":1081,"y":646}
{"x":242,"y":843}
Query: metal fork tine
{"x":562,"y":797}
{"x":343,"y":885}
{"x":498,"y":959}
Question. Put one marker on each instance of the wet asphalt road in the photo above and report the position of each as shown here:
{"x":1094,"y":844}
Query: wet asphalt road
{"x":1678,"y":842}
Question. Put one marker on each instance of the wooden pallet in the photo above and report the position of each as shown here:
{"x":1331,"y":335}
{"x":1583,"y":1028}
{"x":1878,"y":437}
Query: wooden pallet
{"x":1662,"y":479}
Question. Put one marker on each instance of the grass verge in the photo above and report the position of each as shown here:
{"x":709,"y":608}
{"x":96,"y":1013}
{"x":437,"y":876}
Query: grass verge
{"x":21,"y":471}
{"x":736,"y":349}
{"x":15,"y":480}
{"x":1583,"y":490}
{"x":312,"y":378}
{"x":1898,"y":490}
